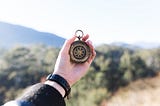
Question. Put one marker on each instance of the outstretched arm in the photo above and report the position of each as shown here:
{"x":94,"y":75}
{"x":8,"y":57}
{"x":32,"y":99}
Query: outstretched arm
{"x":52,"y":93}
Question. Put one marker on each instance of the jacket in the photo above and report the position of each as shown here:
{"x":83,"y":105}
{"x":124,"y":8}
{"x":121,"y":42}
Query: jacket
{"x":39,"y":95}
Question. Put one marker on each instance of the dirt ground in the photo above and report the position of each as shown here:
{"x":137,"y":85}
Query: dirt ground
{"x":144,"y":92}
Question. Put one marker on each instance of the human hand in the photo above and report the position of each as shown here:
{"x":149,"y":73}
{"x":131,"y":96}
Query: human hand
{"x":70,"y":71}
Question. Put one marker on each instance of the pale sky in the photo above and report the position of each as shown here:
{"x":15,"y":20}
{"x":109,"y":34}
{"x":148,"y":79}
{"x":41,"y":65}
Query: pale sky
{"x":105,"y":21}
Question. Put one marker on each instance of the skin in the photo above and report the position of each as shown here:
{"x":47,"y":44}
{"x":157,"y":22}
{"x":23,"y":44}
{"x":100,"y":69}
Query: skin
{"x":70,"y":71}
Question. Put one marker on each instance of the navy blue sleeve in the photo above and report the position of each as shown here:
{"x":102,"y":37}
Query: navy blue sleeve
{"x":18,"y":103}
{"x":40,"y":95}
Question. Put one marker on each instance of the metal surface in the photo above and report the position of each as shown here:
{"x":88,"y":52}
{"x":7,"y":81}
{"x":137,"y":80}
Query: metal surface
{"x":79,"y":50}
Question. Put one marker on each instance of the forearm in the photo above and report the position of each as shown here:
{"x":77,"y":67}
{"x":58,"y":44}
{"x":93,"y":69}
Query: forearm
{"x":41,"y":95}
{"x":44,"y":95}
{"x":56,"y":86}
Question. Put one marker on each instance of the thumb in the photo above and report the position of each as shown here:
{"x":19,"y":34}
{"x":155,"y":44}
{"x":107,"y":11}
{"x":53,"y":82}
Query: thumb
{"x":67,"y":44}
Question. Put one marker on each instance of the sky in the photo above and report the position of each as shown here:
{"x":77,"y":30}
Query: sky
{"x":106,"y":21}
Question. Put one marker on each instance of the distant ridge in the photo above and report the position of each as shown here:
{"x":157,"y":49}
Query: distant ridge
{"x":125,"y":45}
{"x":11,"y":35}
{"x":137,"y":45}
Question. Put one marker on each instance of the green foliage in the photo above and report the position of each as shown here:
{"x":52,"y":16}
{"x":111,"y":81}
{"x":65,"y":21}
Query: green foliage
{"x":24,"y":66}
{"x":112,"y":68}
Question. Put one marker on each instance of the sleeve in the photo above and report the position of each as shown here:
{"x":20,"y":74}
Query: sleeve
{"x":40,"y":95}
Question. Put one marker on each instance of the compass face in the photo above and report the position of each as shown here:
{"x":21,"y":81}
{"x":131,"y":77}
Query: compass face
{"x":79,"y":52}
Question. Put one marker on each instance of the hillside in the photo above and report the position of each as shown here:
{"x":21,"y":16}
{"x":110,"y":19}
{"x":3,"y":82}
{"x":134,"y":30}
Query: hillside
{"x":113,"y":68}
{"x":11,"y":35}
{"x":144,"y":92}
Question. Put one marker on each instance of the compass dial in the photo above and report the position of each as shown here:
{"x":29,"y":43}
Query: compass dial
{"x":79,"y":52}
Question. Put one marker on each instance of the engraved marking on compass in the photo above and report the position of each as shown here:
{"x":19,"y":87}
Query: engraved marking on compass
{"x":79,"y":52}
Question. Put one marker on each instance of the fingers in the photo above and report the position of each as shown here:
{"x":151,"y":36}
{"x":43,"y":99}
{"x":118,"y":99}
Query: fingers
{"x":85,"y":37}
{"x":67,"y":44}
{"x":93,"y":53}
{"x":70,"y":41}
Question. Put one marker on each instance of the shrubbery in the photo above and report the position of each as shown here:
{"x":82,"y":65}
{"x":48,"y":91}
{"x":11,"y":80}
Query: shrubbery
{"x":112,"y":68}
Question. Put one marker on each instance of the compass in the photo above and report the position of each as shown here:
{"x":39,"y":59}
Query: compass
{"x":79,"y":50}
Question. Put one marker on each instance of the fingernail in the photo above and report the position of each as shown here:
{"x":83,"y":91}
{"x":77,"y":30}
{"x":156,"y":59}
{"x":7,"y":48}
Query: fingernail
{"x":90,"y":42}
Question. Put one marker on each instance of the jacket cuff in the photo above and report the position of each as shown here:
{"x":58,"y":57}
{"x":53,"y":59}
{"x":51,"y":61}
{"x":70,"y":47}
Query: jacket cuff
{"x":43,"y":95}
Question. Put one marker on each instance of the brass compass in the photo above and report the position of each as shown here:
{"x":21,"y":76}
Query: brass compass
{"x":79,"y":50}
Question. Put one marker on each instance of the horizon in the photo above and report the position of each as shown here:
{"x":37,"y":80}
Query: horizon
{"x":125,"y":21}
{"x":140,"y":44}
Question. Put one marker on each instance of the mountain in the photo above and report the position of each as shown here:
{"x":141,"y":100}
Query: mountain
{"x":11,"y":35}
{"x":125,"y":45}
{"x":147,"y":45}
{"x":137,"y":45}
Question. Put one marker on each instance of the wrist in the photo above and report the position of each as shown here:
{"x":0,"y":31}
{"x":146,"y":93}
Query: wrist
{"x":56,"y":86}
{"x":66,"y":77}
{"x":62,"y":82}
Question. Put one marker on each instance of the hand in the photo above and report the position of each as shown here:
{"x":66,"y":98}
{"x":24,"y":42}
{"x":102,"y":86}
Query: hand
{"x":70,"y":71}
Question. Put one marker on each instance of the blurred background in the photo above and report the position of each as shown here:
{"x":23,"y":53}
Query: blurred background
{"x":125,"y":33}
